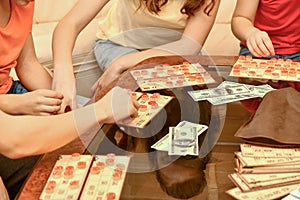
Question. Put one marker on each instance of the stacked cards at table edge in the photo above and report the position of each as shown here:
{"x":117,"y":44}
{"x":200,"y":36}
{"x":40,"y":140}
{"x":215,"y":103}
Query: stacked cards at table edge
{"x":265,"y":172}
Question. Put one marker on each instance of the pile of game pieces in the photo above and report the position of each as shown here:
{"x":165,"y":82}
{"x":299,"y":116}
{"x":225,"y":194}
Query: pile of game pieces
{"x":171,"y":76}
{"x":86,"y":177}
{"x":228,"y":92}
{"x":273,"y":69}
{"x":150,"y":106}
{"x":182,"y":139}
{"x":265,"y":172}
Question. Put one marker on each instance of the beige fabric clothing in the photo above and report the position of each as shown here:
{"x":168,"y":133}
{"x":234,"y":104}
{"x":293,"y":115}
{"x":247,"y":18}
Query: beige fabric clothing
{"x":123,"y":23}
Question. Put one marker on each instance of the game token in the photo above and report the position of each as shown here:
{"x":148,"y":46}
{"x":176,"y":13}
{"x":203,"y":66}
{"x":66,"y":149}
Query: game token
{"x":187,"y":73}
{"x":68,"y":174}
{"x":74,"y":184}
{"x":120,"y":166}
{"x":75,"y":156}
{"x":81,"y":165}
{"x":159,"y":68}
{"x":111,"y":196}
{"x":268,"y":71}
{"x":170,"y":71}
{"x":109,"y":161}
{"x":242,"y":57}
{"x":284,"y":72}
{"x":145,"y":97}
{"x":173,"y":77}
{"x":154,"y":74}
{"x":56,"y":174}
{"x":169,"y":83}
{"x":134,"y":95}
{"x":143,"y":108}
{"x":153,"y":97}
{"x":179,"y":82}
{"x":248,"y":57}
{"x":263,"y":64}
{"x":137,"y":73}
{"x":199,"y":79}
{"x":50,"y":186}
{"x":95,"y":170}
{"x":236,"y":71}
{"x":153,"y":104}
{"x":101,"y":165}
{"x":292,"y":73}
{"x":181,"y":77}
{"x":184,"y":68}
{"x":252,"y":73}
{"x":111,"y":155}
{"x":275,"y":74}
{"x":157,"y":95}
{"x":117,"y":176}
{"x":191,"y":78}
{"x":144,"y":72}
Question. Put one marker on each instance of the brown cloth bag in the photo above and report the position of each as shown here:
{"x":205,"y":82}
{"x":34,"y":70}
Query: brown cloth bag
{"x":276,"y":121}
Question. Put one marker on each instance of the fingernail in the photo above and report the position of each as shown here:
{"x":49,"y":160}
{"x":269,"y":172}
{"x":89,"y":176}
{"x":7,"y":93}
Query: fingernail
{"x":68,"y":109}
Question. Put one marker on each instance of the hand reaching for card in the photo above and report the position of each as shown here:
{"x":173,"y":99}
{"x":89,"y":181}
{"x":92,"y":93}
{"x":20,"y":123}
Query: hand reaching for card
{"x":39,"y":102}
{"x":259,"y":43}
{"x":117,"y":105}
{"x":111,"y":74}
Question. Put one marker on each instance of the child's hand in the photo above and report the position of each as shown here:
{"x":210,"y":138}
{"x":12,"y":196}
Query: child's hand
{"x":66,"y":86}
{"x":259,"y":43}
{"x":117,"y":105}
{"x":112,"y":73}
{"x":39,"y":102}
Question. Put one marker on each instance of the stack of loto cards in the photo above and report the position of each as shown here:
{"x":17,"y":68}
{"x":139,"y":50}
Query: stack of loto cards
{"x":265,"y":172}
{"x":228,"y":92}
{"x":182,"y":139}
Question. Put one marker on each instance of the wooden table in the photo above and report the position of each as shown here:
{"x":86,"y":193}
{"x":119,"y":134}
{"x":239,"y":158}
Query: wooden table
{"x":39,"y":175}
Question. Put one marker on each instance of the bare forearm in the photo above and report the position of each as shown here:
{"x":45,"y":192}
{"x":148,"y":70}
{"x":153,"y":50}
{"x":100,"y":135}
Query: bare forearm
{"x":241,"y":27}
{"x":63,"y":42}
{"x":243,"y":18}
{"x":185,"y":46}
{"x":34,"y":76}
{"x":9,"y":103}
{"x":44,"y":134}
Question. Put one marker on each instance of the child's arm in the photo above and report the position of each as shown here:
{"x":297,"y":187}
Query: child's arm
{"x":257,"y":41}
{"x":37,"y":102}
{"x":64,"y":37}
{"x":30,"y":72}
{"x":31,"y":135}
{"x":195,"y":33}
